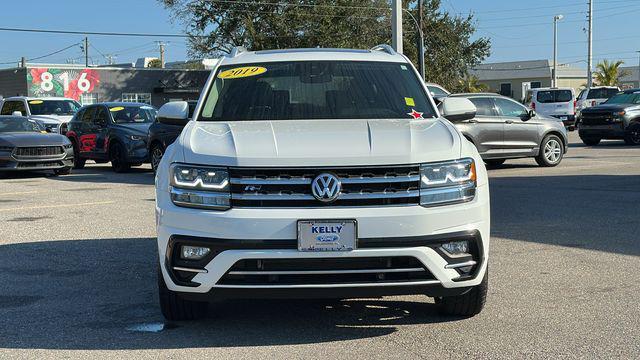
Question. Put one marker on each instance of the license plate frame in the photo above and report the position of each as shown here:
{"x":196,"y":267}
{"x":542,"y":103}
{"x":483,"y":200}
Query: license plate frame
{"x":327,"y":236}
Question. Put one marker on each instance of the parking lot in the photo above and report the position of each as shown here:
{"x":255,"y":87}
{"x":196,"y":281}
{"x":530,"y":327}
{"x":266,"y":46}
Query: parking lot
{"x":78,"y":276}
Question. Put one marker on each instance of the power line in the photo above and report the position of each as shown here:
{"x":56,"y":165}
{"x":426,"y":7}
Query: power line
{"x":42,"y":56}
{"x":92,"y":33}
{"x":281,"y":4}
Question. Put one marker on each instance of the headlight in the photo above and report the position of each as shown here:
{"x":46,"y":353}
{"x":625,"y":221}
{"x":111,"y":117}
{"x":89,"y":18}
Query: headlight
{"x":200,"y":187}
{"x":135,"y":137}
{"x":67,"y":146}
{"x":447,"y":182}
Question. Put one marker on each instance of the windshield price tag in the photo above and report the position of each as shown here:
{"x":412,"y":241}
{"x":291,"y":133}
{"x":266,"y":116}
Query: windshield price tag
{"x":242,"y":72}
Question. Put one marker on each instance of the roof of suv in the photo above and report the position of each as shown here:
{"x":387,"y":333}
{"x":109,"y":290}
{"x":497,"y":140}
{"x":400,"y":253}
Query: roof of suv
{"x":249,"y":57}
{"x":476,"y":94}
{"x":36,"y":98}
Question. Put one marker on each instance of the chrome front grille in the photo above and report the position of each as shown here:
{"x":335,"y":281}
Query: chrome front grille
{"x":38,"y":152}
{"x":291,"y":187}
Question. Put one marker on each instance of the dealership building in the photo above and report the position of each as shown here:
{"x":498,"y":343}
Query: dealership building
{"x":89,"y":85}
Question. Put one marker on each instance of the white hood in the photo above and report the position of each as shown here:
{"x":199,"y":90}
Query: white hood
{"x":49,"y":119}
{"x":319,"y":142}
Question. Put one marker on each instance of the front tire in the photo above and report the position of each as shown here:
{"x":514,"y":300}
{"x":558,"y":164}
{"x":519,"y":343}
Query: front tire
{"x":175,"y":308}
{"x":156,"y":154}
{"x":469,"y":304}
{"x":632,"y":136}
{"x":118,"y":159}
{"x":590,"y":141}
{"x":78,"y":162}
{"x":551,"y":151}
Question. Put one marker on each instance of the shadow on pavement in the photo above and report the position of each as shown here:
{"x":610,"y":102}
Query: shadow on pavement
{"x":103,"y":174}
{"x":598,"y":212}
{"x":85,"y":294}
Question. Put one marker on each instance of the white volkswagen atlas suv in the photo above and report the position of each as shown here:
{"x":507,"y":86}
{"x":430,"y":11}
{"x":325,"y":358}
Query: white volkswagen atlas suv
{"x":320,"y":173}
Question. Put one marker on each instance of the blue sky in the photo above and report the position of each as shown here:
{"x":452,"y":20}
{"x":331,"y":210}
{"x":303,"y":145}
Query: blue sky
{"x":519,"y":30}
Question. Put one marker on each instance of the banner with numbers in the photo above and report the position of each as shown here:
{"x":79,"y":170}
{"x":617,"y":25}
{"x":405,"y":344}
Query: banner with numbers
{"x":69,"y":83}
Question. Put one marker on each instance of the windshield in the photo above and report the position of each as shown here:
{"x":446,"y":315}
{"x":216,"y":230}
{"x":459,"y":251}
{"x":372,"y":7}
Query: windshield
{"x":15,"y":124}
{"x":133,"y":114}
{"x":624,"y":98}
{"x":53,"y":107}
{"x":601,"y":93}
{"x":554,"y":96}
{"x":316,"y":90}
{"x":436,"y":91}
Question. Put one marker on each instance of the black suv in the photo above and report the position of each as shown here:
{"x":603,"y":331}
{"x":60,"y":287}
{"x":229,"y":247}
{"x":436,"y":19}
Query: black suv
{"x":161,"y":135}
{"x":115,"y":132}
{"x":616,"y":118}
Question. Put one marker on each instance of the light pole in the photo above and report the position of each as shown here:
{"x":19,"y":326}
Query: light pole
{"x":638,"y":68}
{"x":420,"y":44}
{"x":554,"y":76}
{"x":396,"y":25}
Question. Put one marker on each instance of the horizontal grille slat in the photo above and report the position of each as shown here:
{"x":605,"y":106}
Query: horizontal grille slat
{"x":291,"y":187}
{"x":38,"y":151}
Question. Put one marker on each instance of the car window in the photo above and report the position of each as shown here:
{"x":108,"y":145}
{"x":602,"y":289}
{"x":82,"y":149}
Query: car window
{"x":484,"y":106}
{"x":509,"y":108}
{"x":53,"y":107}
{"x":101,"y":116}
{"x":437,"y":91}
{"x":133,"y":114}
{"x":88,"y":115}
{"x":624,"y":98}
{"x":603,"y":93}
{"x":554,"y":96}
{"x":316,"y":90}
{"x":17,"y":124}
{"x":10,"y":106}
{"x":581,"y":93}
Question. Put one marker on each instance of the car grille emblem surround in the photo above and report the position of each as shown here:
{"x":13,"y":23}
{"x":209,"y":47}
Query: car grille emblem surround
{"x":326,"y":187}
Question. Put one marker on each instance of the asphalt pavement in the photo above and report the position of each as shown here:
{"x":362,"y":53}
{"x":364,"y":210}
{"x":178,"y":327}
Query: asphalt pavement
{"x":78,"y":276}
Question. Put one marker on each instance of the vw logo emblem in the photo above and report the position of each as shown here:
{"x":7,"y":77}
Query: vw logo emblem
{"x":326,"y":187}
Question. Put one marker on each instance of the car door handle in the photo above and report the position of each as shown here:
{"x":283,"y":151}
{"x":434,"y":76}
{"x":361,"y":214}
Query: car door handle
{"x":509,"y":122}
{"x":473,"y":121}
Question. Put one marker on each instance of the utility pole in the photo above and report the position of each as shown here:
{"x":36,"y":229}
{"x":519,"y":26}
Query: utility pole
{"x":23,"y":62}
{"x":396,"y":25}
{"x":86,"y":51}
{"x":421,"y":34}
{"x":161,"y":46}
{"x":638,"y":69}
{"x":554,"y":76}
{"x":590,"y":50}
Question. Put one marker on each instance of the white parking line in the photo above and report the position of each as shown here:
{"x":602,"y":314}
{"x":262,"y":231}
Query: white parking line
{"x":58,"y":206}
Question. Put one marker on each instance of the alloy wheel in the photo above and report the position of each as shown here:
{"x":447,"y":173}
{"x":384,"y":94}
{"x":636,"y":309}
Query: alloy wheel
{"x":552,"y":151}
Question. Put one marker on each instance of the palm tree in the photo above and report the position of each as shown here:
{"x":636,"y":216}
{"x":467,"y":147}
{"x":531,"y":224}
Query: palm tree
{"x":609,"y":73}
{"x":471,"y":84}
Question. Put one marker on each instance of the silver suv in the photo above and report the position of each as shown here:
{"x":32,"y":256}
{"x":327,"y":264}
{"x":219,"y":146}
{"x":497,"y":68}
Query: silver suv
{"x":505,"y":129}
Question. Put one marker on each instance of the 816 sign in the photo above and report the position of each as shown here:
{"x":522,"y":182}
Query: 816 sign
{"x":47,"y":82}
{"x":70,"y":83}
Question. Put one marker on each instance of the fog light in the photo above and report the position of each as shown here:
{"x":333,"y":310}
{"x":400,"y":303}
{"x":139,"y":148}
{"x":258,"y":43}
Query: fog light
{"x":456,"y":247}
{"x":194,"y":252}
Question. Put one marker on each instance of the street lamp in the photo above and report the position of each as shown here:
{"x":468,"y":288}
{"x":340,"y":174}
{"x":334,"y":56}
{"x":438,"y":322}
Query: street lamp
{"x":554,"y":77}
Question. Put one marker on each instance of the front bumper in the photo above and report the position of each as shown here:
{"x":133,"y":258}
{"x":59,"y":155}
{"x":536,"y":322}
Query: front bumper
{"x":410,"y":233}
{"x":11,"y":162}
{"x":611,"y":131}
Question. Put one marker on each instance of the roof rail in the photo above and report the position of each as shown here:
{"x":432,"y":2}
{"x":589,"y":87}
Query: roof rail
{"x":237,"y":51}
{"x":384,"y":47}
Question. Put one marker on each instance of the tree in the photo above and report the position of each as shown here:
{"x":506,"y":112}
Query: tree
{"x":608,"y":73}
{"x":470,"y":84}
{"x":154,"y":63}
{"x":216,"y":26}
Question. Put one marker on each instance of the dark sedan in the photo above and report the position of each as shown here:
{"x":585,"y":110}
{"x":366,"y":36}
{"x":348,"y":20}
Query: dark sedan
{"x":161,"y":135}
{"x":115,"y":132}
{"x":25,"y":145}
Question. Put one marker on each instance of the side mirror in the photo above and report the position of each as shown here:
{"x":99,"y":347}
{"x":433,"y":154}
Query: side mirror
{"x":16,"y":113}
{"x":174,"y":113}
{"x":458,"y":109}
{"x":528,"y":115}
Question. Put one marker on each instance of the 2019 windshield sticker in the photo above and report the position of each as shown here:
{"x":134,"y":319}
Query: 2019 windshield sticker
{"x":117,"y":108}
{"x":35,"y":102}
{"x":242,"y":72}
{"x":415,"y":114}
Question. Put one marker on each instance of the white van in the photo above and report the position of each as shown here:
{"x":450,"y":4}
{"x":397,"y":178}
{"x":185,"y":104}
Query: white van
{"x":556,"y":102}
